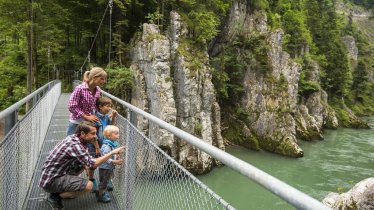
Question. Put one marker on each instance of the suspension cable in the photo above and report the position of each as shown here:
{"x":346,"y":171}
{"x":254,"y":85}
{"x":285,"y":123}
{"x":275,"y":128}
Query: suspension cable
{"x":97,"y":32}
{"x":110,"y":30}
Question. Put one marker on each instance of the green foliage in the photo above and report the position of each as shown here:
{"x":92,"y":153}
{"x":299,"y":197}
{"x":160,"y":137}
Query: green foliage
{"x":229,"y":74}
{"x":220,"y":79}
{"x":12,"y":74}
{"x":202,"y":17}
{"x":361,"y":93}
{"x":307,"y":87}
{"x":68,"y":28}
{"x":297,"y":36}
{"x":324,"y":26}
{"x":258,"y":4}
{"x":274,"y":20}
{"x":120,"y":81}
{"x":194,"y":56}
{"x":198,"y":128}
{"x":204,"y":27}
{"x":307,"y":84}
{"x":258,"y":47}
{"x":155,"y":18}
{"x":361,"y":85}
{"x":341,"y":112}
{"x":230,"y":66}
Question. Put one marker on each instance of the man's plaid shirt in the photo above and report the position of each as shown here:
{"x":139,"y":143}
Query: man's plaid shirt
{"x":69,"y":153}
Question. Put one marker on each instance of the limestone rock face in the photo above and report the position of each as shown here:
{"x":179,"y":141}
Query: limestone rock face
{"x":154,"y":88}
{"x":270,"y":96}
{"x":350,"y":44}
{"x":275,"y":96}
{"x":275,"y":116}
{"x":197,"y":109}
{"x":313,"y":112}
{"x":360,"y":197}
{"x":169,"y":87}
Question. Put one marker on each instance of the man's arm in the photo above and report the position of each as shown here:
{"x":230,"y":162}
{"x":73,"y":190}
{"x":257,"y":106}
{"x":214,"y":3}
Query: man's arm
{"x":103,"y":159}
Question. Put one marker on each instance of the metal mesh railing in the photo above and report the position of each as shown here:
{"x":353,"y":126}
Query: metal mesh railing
{"x":153,"y":180}
{"x":149,"y":179}
{"x":19,"y":150}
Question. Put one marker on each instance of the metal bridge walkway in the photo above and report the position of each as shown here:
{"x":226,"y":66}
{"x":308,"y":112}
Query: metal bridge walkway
{"x":149,"y":179}
{"x":56,"y":132}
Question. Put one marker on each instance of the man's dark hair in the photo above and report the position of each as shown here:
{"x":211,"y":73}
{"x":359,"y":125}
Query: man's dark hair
{"x":84,"y":127}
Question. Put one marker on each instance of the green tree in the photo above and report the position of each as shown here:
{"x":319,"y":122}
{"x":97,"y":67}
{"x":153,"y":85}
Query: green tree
{"x":324,"y":26}
{"x":297,"y":36}
{"x":361,"y":85}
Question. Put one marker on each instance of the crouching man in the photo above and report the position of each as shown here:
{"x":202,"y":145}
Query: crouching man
{"x":67,"y":160}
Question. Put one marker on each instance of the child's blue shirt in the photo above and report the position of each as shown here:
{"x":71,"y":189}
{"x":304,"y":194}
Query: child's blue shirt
{"x":104,"y":120}
{"x":108,"y":146}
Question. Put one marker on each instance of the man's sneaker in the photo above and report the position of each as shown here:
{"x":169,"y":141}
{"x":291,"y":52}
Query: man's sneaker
{"x":110,"y":186}
{"x":55,"y":201}
{"x":105,"y":198}
{"x":94,"y":186}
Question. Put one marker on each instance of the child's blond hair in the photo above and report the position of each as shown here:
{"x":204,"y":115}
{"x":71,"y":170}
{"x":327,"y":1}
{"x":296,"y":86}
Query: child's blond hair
{"x":110,"y":129}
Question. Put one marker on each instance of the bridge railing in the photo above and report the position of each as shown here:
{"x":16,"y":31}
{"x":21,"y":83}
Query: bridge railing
{"x":151,"y":177}
{"x":20,"y":148}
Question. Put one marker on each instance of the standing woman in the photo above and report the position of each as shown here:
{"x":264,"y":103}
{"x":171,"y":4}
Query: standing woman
{"x":82,"y":102}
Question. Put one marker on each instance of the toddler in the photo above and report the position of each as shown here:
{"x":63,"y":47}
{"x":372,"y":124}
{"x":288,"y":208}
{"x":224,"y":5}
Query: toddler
{"x":111,"y":135}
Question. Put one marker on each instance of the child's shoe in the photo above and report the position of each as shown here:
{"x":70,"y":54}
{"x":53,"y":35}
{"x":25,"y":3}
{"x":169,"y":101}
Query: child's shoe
{"x":105,"y":198}
{"x":110,"y":186}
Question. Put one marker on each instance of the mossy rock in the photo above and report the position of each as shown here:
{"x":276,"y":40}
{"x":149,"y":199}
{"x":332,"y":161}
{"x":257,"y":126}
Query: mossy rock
{"x":283,"y":147}
{"x":240,"y":134}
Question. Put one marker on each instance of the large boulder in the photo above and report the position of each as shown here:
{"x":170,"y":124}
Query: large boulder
{"x":360,"y":197}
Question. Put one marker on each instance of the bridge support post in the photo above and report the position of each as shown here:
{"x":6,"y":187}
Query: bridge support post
{"x":10,"y":121}
{"x":130,"y":162}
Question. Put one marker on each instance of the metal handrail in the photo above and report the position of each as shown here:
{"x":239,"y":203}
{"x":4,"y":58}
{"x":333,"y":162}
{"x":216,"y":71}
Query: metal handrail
{"x":286,"y":192}
{"x":11,"y":113}
{"x":22,"y":143}
{"x":21,"y":102}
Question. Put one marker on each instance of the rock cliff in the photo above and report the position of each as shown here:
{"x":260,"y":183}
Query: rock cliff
{"x":174,"y":82}
{"x":275,"y":116}
{"x":171,"y":86}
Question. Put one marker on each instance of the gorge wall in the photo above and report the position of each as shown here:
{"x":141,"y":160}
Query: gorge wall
{"x":275,"y":117}
{"x":174,"y":82}
{"x":171,"y":88}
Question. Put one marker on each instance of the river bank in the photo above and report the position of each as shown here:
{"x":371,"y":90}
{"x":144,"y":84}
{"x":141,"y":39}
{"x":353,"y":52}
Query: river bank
{"x":336,"y":163}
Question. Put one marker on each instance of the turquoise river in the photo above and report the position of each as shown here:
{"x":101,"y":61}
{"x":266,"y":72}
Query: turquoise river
{"x":343,"y":158}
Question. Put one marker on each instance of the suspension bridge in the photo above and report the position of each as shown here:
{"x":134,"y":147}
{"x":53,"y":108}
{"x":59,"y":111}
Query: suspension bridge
{"x":149,"y":179}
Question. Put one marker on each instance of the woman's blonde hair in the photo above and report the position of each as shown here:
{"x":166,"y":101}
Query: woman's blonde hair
{"x":110,"y":129}
{"x":94,"y":72}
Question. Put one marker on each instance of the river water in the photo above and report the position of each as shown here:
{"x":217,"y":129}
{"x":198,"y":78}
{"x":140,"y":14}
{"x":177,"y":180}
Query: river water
{"x":337,"y":163}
